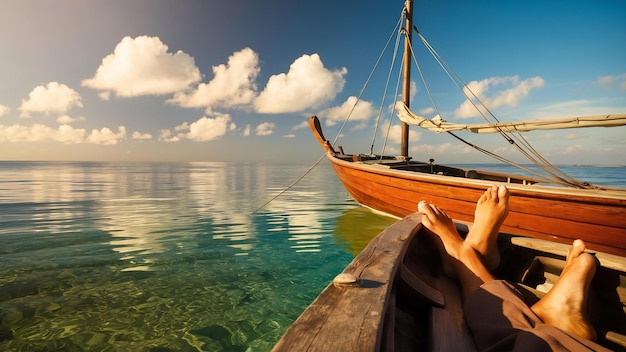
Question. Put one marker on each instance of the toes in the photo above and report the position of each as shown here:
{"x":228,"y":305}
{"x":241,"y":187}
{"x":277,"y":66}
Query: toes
{"x":431,"y":211}
{"x":577,"y":248}
{"x":485,"y":196}
{"x":426,"y":209}
{"x":503,"y":193}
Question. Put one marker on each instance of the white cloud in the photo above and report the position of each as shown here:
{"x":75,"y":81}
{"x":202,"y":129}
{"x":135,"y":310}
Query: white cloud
{"x":141,"y":136}
{"x":609,"y":81}
{"x":208,"y":129}
{"x":391,"y":150}
{"x":265,"y":129}
{"x":20,"y":133}
{"x":182,"y":127}
{"x":363,"y":111}
{"x":301,"y":125}
{"x":438,"y":149}
{"x":106,"y":136}
{"x":571,"y":108}
{"x":433,"y":148}
{"x":426,"y":111}
{"x":308,"y":84}
{"x":606,"y":80}
{"x":142,"y":66}
{"x":395,"y":134}
{"x":166,"y":135}
{"x":53,"y":98}
{"x":498,"y":91}
{"x":66,"y":119}
{"x":571,"y":136}
{"x":69,"y":135}
{"x":232,"y":84}
{"x":4,"y":110}
{"x":573,"y":149}
{"x":247,"y":130}
{"x":41,"y":133}
{"x":541,"y":137}
{"x":289,"y":135}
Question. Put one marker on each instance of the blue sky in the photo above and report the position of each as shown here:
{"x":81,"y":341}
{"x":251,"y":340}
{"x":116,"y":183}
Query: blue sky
{"x":219,"y":80}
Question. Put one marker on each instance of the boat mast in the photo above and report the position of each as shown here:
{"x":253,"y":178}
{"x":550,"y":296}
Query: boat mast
{"x":406,"y":77}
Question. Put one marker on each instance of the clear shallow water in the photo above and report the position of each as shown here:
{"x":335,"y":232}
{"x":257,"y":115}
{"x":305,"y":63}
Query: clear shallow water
{"x":172,"y":257}
{"x":127,"y":256}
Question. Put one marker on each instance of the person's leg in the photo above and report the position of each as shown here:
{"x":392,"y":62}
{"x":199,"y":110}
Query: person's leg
{"x":491,"y":210}
{"x":462,"y":258}
{"x":562,"y":308}
{"x":565,"y":305}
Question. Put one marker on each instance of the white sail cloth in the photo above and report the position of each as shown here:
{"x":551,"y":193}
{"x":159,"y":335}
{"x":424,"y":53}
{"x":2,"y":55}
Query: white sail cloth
{"x":438,"y":125}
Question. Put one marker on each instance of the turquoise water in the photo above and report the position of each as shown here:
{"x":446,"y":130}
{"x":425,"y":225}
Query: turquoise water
{"x":165,"y":257}
{"x":172,"y":256}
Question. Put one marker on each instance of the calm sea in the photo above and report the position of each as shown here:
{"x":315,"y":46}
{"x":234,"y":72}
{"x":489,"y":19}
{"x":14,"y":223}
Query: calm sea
{"x":173,"y":256}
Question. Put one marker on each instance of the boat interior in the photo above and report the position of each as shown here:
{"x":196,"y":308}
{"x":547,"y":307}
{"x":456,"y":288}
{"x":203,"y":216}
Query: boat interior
{"x":395,"y":297}
{"x":535,"y":265}
{"x":430,"y":167}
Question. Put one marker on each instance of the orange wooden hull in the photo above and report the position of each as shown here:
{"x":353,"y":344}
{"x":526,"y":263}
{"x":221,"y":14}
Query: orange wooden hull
{"x":551,"y":213}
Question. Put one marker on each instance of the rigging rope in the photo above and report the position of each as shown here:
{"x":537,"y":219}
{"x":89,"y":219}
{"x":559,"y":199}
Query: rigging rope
{"x":344,"y":122}
{"x":292,"y":185}
{"x":394,"y":110}
{"x":382,"y":104}
{"x":521,"y":145}
{"x":358,"y":99}
{"x":436,"y":107}
{"x":384,"y":95}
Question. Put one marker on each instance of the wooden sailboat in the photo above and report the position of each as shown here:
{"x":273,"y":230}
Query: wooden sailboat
{"x":394,"y":296}
{"x":394,"y":184}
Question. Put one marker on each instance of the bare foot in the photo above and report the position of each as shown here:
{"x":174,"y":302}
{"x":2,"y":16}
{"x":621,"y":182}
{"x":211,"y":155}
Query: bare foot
{"x":491,"y":210}
{"x":441,"y":225}
{"x":565,"y":305}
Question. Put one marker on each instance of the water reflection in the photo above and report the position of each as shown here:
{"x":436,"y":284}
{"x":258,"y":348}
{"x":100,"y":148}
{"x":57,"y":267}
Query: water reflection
{"x":153,"y":208}
{"x":357,"y":226}
{"x":124,"y":256}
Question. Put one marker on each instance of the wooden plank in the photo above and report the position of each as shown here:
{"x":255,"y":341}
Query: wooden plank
{"x":428,"y":292}
{"x":606,"y":260}
{"x":449,"y":332}
{"x":347,"y":315}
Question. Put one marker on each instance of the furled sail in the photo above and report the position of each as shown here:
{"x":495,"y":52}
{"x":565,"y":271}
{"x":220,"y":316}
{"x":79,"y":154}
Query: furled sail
{"x":438,"y":125}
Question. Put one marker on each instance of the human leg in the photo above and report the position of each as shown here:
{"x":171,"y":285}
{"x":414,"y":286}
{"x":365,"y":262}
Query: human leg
{"x":562,"y":309}
{"x":491,"y":210}
{"x":463,"y":259}
{"x":565,"y":305}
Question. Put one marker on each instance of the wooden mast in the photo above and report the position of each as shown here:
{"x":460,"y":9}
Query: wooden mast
{"x":406,"y":77}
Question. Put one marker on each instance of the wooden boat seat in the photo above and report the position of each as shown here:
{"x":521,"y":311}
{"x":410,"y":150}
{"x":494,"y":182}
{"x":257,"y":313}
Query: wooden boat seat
{"x":606,"y":260}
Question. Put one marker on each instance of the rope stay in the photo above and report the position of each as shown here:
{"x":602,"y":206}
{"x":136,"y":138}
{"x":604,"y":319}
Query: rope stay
{"x":391,"y":113}
{"x":291,"y":185}
{"x":384,"y":95}
{"x":366,"y":84}
{"x":514,"y":138}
